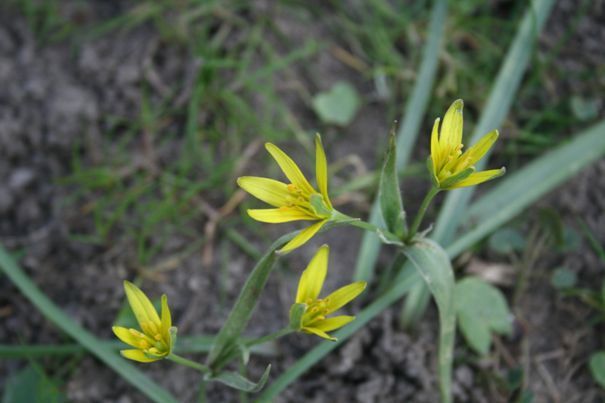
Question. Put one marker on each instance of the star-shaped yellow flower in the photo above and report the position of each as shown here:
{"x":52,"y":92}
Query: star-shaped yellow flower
{"x":293,"y":201}
{"x":450,"y":167}
{"x":314,"y":319}
{"x":157,"y":337}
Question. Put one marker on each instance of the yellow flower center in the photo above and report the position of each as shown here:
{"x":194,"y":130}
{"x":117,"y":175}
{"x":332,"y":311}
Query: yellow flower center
{"x":452,"y":164}
{"x":151,"y":341}
{"x":301,"y":200}
{"x":316,"y":311}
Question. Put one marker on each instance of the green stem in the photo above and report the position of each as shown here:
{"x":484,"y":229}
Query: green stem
{"x":385,"y":235}
{"x":421,"y":212}
{"x":188,"y":363}
{"x":270,"y":337}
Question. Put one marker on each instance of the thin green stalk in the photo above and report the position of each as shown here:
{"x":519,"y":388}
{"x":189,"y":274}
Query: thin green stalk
{"x":385,"y":235}
{"x":421,"y":212}
{"x":270,"y":337}
{"x":188,"y":363}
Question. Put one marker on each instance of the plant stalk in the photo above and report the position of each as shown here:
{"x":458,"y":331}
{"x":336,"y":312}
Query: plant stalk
{"x":421,"y":212}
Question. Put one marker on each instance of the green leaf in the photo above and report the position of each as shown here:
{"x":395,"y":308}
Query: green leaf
{"x":338,"y":105}
{"x":296,"y":314}
{"x":434,"y":266}
{"x":32,"y":385}
{"x":389,"y":194}
{"x":105,"y":354}
{"x":477,"y":335}
{"x":481,"y":309}
{"x":238,"y":318}
{"x":597,"y":367}
{"x":239,"y":382}
{"x":411,"y":122}
{"x":563,"y":278}
{"x":506,"y":241}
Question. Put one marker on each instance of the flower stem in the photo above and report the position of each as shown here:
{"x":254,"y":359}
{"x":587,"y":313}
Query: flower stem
{"x":386,"y":236}
{"x":421,"y":212}
{"x":270,"y":337}
{"x":188,"y":363}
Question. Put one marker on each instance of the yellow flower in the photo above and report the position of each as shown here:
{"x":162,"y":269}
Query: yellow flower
{"x":157,"y":337}
{"x":311,"y":282}
{"x":450,"y":167}
{"x":293,"y":201}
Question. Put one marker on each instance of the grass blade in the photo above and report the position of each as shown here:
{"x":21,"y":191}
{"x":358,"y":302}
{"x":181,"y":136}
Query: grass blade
{"x":408,"y":132}
{"x":86,"y":339}
{"x":184,"y":345}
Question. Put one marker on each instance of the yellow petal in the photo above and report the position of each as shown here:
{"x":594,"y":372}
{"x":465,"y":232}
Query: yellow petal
{"x":279,"y":215}
{"x":141,"y":305}
{"x":343,"y":296}
{"x":302,"y":237}
{"x":334,"y":323}
{"x":312,"y":279}
{"x":478,"y":150}
{"x":268,"y":190}
{"x":479,"y":177}
{"x":321,"y":169}
{"x":319,"y":333}
{"x":451,"y":129}
{"x":137,"y":355}
{"x":126,"y":336}
{"x":435,"y":149}
{"x":290,"y":169}
{"x":166,"y":318}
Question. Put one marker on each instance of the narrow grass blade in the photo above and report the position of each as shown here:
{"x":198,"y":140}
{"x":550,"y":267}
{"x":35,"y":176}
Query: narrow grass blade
{"x":519,"y":190}
{"x":244,"y":306}
{"x":408,"y":132}
{"x":497,"y":107}
{"x":403,"y":283}
{"x":86,"y":339}
{"x":184,"y":345}
{"x":433,"y":264}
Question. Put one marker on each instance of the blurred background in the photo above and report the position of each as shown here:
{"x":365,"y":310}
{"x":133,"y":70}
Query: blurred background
{"x":124,"y":124}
